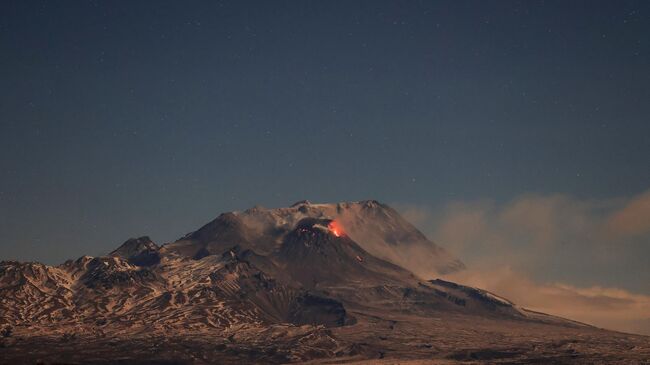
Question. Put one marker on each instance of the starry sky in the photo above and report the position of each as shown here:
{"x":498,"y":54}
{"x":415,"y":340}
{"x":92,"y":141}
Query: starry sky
{"x":122,"y":118}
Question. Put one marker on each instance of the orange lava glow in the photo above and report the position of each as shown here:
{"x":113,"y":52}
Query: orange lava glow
{"x":335,"y":228}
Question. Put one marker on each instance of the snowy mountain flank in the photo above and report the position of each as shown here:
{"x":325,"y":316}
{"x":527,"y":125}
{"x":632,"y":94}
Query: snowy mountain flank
{"x":309,"y":282}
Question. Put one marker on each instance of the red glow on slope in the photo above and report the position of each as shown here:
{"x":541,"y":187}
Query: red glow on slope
{"x":335,"y":228}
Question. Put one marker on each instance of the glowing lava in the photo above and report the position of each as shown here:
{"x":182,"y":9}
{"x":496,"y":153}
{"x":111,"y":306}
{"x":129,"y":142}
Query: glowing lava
{"x":335,"y":228}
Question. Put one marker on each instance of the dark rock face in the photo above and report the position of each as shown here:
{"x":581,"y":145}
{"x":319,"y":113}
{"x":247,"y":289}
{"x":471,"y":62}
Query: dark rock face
{"x":315,"y":256}
{"x":134,"y":246}
{"x":138,"y":251}
{"x":145,"y":258}
{"x":476,"y":298}
{"x":279,"y":301}
{"x":201,"y":253}
{"x":109,"y":273}
{"x":311,"y":237}
{"x":312,"y":309}
{"x":478,"y":294}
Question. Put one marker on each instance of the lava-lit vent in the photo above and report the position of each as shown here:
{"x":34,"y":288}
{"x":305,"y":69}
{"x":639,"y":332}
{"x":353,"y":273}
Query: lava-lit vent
{"x":335,"y":228}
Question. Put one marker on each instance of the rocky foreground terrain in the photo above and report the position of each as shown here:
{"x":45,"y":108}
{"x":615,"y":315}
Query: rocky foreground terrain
{"x":312,"y":283}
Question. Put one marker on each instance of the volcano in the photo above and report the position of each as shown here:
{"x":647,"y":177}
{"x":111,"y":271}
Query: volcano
{"x":345,"y":282}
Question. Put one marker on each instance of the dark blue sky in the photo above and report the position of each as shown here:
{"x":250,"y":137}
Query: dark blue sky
{"x":125,"y":118}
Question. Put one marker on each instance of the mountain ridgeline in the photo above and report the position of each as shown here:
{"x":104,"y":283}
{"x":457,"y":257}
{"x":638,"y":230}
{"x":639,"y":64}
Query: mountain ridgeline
{"x":251,"y":267}
{"x":289,"y":273}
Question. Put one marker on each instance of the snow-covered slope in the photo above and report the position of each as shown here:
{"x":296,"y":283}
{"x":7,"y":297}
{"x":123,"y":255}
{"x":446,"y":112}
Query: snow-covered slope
{"x":290,"y":265}
{"x":266,"y":285}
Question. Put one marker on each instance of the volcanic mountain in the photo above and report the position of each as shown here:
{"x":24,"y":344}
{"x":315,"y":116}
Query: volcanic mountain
{"x":378,"y":228}
{"x":311,"y":282}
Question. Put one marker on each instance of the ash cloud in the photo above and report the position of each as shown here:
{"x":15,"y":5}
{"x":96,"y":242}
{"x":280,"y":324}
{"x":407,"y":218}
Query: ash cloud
{"x":633,"y":219}
{"x":606,"y":307}
{"x":584,"y":259}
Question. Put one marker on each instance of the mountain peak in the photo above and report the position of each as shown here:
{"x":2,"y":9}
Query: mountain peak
{"x":374,"y":226}
{"x":299,"y":203}
{"x":140,"y":251}
{"x":134,"y":246}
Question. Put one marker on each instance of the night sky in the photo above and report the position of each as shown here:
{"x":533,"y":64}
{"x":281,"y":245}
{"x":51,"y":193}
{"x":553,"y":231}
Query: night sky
{"x":123,"y":118}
